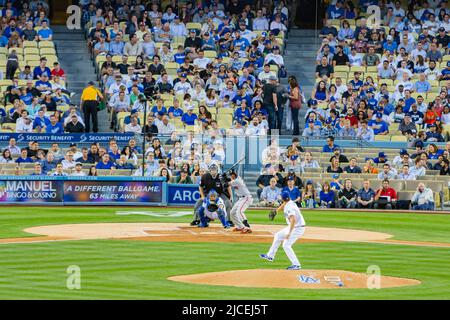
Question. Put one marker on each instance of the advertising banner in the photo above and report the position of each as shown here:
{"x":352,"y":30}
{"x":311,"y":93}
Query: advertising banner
{"x":31,"y":191}
{"x":113,"y":192}
{"x":66,"y":137}
{"x":182,"y":194}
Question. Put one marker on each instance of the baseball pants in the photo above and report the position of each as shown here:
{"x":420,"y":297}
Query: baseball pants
{"x":280,"y":237}
{"x":238,"y":211}
{"x":225,"y":199}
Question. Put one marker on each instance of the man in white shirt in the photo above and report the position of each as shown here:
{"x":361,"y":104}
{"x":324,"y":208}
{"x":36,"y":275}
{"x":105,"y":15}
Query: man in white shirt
{"x":260,"y":23}
{"x":177,"y":28}
{"x":200,"y":62}
{"x":182,"y":86}
{"x":418,"y":51}
{"x":355,"y":58}
{"x":133,"y":126}
{"x":78,"y":171}
{"x":432,"y":72}
{"x":266,"y":73}
{"x":275,"y":57}
{"x":24,"y":123}
{"x":68,"y":162}
{"x":164,"y":126}
{"x":423,"y":198}
{"x":289,"y":235}
{"x":255,"y":128}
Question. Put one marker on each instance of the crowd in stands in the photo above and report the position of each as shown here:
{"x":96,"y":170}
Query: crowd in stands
{"x":285,"y":168}
{"x":184,"y":65}
{"x":33,"y":84}
{"x":383,"y":81}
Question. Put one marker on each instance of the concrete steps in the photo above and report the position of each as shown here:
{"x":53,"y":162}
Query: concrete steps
{"x":76,"y":62}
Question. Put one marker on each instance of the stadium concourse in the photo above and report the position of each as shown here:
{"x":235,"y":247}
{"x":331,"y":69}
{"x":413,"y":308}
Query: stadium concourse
{"x":371,"y":120}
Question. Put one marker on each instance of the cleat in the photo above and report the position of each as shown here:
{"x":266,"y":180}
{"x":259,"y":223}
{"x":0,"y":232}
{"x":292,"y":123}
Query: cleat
{"x":238,"y":229}
{"x":195,"y":223}
{"x":203,"y":225}
{"x":293,"y":267}
{"x":266,"y":257}
{"x":230,"y":223}
{"x":246,"y":230}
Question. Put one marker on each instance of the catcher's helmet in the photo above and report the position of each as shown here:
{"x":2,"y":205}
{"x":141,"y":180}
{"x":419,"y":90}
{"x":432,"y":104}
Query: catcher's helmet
{"x":213,"y":166}
{"x":213,"y":193}
{"x":285,"y":196}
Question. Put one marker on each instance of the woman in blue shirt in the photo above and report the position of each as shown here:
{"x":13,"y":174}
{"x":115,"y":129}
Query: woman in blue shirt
{"x":326,"y":196}
{"x":320,"y":92}
{"x":345,"y":32}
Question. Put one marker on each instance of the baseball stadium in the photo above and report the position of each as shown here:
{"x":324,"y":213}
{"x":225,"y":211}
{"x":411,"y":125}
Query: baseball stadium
{"x":224,"y":150}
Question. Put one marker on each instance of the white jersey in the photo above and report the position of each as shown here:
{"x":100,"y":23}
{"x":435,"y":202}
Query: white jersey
{"x":291,"y":209}
{"x":239,"y":187}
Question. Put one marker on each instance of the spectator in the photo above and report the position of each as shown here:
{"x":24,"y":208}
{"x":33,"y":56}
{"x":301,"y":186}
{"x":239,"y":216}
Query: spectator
{"x":404,"y":174}
{"x":387,"y":173}
{"x":78,"y":170}
{"x":423,"y":198}
{"x":347,"y":196}
{"x":334,"y":166}
{"x":59,"y":170}
{"x":352,"y":167}
{"x":105,"y":162}
{"x":324,"y":69}
{"x":330,"y":146}
{"x":365,"y":196}
{"x":385,"y":197}
{"x":74,"y":126}
{"x":270,"y":195}
{"x":418,"y":169}
{"x":326,"y":196}
{"x":293,"y":190}
{"x":24,"y":158}
{"x":308,"y":161}
{"x":184,"y":178}
{"x":309,"y":196}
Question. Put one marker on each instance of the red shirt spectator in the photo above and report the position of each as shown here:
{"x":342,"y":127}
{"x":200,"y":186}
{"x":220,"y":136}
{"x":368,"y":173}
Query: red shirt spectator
{"x":58,"y":71}
{"x":388,"y":192}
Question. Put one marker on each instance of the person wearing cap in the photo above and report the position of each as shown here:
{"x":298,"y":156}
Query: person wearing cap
{"x":189,"y":118}
{"x":379,"y":126}
{"x":192,"y":43}
{"x":407,"y":124}
{"x":183,"y":86}
{"x":293,"y":190}
{"x":89,"y":103}
{"x":275,"y":57}
{"x":432,"y":135}
{"x":74,"y":126}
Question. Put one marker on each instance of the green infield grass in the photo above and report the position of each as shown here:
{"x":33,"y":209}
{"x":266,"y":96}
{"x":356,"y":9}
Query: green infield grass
{"x":123,"y":269}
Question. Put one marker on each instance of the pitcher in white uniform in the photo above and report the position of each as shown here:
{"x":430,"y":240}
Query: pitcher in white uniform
{"x":245,"y":200}
{"x":288,"y":235}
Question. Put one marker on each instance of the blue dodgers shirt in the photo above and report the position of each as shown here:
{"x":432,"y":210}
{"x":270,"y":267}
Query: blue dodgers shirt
{"x":294,"y":193}
{"x":57,"y":128}
{"x":189,"y":119}
{"x":178,"y":112}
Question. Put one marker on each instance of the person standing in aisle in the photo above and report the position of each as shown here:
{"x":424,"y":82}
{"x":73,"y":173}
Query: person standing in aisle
{"x":89,"y":104}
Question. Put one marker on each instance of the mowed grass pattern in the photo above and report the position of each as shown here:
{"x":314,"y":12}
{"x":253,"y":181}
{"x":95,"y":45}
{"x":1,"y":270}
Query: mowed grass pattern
{"x":121,"y":269}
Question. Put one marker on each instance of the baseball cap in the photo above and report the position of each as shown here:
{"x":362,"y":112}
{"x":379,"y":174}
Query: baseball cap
{"x":419,"y":144}
{"x":291,"y":178}
{"x":294,"y":157}
{"x":267,"y":166}
{"x":192,"y":30}
{"x":438,"y":118}
{"x":441,"y":29}
{"x":379,"y":115}
{"x":276,"y":48}
{"x":403,"y":152}
{"x":335,"y":176}
{"x":313,"y":102}
{"x":285,"y":195}
{"x":381,"y":155}
{"x":273,"y":78}
{"x":73,"y":145}
{"x":448,"y":63}
{"x":183,"y":75}
{"x":78,"y":164}
{"x":189,"y":107}
{"x":310,"y":121}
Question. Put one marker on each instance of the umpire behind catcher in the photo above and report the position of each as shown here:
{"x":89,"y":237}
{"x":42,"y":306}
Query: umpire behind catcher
{"x":209,"y":181}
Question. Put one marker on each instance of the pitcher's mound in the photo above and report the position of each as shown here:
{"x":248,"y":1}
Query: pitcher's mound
{"x":300,"y":279}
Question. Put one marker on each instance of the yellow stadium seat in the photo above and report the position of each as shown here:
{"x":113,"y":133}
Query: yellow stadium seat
{"x":31,"y":51}
{"x":46,"y":44}
{"x":193,"y":25}
{"x":30,"y":44}
{"x":47,"y":51}
{"x":382,"y":138}
{"x":341,"y":69}
{"x":398,"y":138}
{"x":210,"y":54}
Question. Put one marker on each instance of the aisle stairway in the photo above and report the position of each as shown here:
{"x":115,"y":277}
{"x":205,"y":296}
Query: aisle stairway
{"x":76,"y":62}
{"x":300,"y":60}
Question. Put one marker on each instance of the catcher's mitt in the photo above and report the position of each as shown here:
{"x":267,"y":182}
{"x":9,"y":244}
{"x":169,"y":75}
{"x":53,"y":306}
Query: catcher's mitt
{"x":272,"y":214}
{"x":212,"y":207}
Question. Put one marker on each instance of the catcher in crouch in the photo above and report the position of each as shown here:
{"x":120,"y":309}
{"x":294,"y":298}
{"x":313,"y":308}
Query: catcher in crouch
{"x":213,"y":207}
